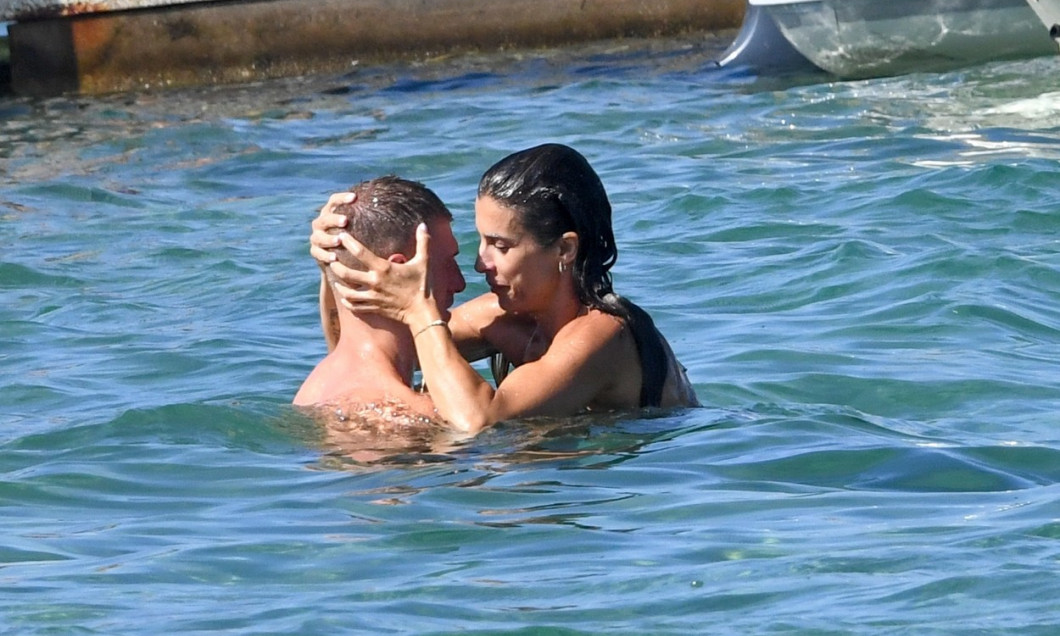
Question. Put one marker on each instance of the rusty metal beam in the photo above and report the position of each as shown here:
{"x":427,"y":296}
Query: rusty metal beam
{"x":187,"y":44}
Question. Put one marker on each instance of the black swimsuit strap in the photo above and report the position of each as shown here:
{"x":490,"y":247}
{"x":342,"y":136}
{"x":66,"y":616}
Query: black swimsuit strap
{"x":653,"y":359}
{"x":500,"y":366}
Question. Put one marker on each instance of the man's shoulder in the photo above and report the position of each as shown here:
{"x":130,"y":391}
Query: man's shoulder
{"x":330,"y":378}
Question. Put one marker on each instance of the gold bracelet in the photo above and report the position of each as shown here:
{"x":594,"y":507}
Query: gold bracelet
{"x":433,"y":323}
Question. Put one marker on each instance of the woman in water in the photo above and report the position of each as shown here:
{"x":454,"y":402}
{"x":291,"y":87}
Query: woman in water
{"x":546,"y":249}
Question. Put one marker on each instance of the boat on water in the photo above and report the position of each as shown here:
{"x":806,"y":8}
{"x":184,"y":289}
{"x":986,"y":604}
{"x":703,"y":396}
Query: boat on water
{"x":871,"y":38}
{"x":1048,"y":12}
{"x":58,"y":46}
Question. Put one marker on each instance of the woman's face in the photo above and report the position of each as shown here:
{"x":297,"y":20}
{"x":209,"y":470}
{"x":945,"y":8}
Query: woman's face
{"x":522,"y":273}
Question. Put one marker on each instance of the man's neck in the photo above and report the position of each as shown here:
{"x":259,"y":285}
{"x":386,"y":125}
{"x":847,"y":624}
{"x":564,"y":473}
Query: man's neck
{"x":383,"y":345}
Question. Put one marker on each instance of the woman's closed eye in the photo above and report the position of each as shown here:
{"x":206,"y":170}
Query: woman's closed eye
{"x":501,"y":245}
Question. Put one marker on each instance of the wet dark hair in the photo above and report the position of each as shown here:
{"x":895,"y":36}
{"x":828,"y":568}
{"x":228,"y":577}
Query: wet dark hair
{"x":552,"y":189}
{"x":385,"y":214}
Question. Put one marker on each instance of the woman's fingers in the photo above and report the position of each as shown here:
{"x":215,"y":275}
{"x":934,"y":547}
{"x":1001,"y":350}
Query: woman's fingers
{"x":382,"y":286}
{"x":351,"y":277}
{"x":423,"y":241}
{"x":360,"y":299}
{"x":357,"y":250}
{"x":423,"y":246}
{"x":329,"y":220}
{"x":337,"y":199}
{"x":321,"y":245}
{"x":321,"y":256}
{"x":321,"y":240}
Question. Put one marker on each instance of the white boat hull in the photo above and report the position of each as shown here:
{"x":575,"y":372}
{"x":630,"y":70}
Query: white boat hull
{"x":871,"y":38}
{"x":1049,"y":13}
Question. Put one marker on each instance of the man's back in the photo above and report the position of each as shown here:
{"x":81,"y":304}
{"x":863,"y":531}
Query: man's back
{"x":367,"y":411}
{"x":348,"y":377}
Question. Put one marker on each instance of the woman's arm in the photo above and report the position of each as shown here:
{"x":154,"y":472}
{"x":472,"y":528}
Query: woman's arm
{"x":579,"y":364}
{"x":321,"y":246}
{"x":329,"y":314}
{"x":466,"y":330}
{"x":481,"y":328}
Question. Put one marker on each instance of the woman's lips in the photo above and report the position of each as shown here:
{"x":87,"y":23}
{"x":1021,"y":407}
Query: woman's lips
{"x":494,"y":287}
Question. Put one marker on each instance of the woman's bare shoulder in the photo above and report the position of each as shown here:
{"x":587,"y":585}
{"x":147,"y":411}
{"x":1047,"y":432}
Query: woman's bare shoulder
{"x":597,"y":327}
{"x":604,"y":341}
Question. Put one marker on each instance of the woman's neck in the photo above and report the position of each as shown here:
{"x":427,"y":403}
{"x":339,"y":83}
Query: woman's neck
{"x":566,"y":308}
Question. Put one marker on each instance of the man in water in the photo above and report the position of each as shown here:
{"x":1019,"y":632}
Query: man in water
{"x":363,"y":388}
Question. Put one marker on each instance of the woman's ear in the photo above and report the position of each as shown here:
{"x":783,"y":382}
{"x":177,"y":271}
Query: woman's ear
{"x":568,"y":248}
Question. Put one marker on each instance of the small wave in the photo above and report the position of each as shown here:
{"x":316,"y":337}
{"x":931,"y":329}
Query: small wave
{"x":909,"y":469}
{"x":17,"y":276}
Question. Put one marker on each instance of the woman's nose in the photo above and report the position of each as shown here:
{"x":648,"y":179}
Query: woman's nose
{"x":480,"y":265}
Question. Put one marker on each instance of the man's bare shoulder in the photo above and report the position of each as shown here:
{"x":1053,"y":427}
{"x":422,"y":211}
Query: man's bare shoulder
{"x":383,"y":411}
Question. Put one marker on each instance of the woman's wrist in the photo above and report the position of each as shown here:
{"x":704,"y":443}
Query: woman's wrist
{"x":421,"y":318}
{"x":433,"y":323}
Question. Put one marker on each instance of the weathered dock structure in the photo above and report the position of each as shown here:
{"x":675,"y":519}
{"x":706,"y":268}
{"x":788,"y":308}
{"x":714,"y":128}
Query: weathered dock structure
{"x":67,"y":46}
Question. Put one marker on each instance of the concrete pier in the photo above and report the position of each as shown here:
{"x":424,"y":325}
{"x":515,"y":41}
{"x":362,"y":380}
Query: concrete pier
{"x":128,"y":45}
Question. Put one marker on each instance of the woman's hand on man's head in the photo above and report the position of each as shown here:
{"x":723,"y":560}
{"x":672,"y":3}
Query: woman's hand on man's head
{"x":390,"y":287}
{"x":321,"y":241}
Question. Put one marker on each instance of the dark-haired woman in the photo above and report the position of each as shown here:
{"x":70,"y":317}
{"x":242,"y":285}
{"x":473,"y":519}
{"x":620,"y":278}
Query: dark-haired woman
{"x":546,"y":249}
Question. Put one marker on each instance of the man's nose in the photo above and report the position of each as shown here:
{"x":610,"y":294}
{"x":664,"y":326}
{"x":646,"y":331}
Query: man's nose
{"x":461,"y":283}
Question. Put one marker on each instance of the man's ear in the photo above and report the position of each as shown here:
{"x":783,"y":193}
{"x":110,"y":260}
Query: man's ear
{"x":568,"y":248}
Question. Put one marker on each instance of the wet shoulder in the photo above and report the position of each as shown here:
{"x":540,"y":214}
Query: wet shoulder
{"x":610,"y":351}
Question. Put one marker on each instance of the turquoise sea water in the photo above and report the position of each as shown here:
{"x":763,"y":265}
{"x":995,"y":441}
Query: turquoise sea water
{"x":863,"y":279}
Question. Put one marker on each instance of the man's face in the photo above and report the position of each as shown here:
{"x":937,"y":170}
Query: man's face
{"x":446,"y":279}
